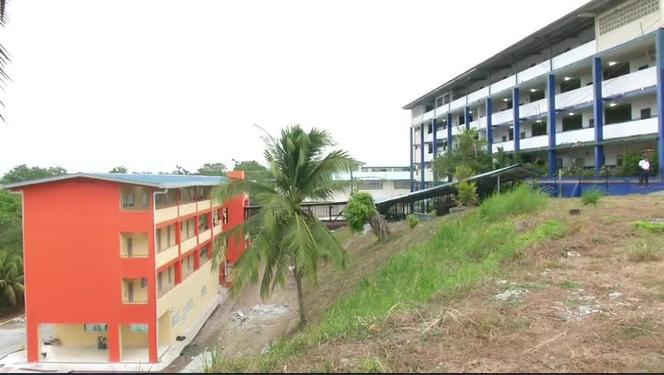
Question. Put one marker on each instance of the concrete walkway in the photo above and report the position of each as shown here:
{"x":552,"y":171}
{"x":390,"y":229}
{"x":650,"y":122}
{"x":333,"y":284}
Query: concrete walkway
{"x":17,"y":362}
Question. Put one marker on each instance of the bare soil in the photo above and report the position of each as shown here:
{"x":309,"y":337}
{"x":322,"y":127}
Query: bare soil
{"x":365,"y":254}
{"x":575,"y":304}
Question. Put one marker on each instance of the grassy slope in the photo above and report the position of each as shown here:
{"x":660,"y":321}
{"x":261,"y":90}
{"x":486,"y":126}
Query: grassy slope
{"x":463,"y":252}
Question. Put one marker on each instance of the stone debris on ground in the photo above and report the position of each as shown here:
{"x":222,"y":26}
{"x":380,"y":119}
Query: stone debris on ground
{"x":258,"y":312}
{"x":512,"y":293}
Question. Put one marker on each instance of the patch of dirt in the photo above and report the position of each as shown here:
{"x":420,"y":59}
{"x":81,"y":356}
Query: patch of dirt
{"x":574,"y":304}
{"x":252,"y":330}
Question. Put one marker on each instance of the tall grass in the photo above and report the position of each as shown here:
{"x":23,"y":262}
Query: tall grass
{"x":459,"y":255}
{"x":591,"y":196}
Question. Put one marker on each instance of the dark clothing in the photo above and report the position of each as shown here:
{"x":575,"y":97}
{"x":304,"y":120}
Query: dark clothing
{"x":643,"y":177}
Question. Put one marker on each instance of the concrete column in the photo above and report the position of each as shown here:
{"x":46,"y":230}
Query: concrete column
{"x":113,"y":342}
{"x":598,"y":114}
{"x":551,"y":99}
{"x":33,"y":341}
{"x":434,"y":126}
{"x":660,"y":100}
{"x":466,"y":117}
{"x":516,"y":99}
{"x":152,"y":340}
{"x":412,"y":180}
{"x":489,"y":125}
{"x":421,"y":156}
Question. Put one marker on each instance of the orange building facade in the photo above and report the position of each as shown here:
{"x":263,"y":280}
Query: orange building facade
{"x":119,"y":267}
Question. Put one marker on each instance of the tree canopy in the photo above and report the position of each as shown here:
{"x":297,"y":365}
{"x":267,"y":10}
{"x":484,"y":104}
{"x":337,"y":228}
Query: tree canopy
{"x":212,"y":169}
{"x":24,"y":173}
{"x":119,"y":169}
{"x":254,"y":170}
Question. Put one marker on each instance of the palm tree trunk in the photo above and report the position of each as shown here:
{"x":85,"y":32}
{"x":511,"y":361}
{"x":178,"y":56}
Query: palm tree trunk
{"x":300,"y":295}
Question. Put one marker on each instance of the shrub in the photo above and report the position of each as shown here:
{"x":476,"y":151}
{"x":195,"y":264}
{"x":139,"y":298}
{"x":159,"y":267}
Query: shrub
{"x":591,"y":196}
{"x":649,"y":226}
{"x":522,"y":199}
{"x":359,"y":210}
{"x":644,"y":251}
{"x":466,"y":191}
{"x":412,"y":221}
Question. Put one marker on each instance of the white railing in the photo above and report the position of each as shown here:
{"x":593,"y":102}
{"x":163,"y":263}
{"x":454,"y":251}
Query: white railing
{"x":187,"y":208}
{"x":416,"y":120}
{"x":482,"y":123}
{"x":165,"y":214}
{"x":502,"y":117}
{"x":572,"y":98}
{"x":631,"y":128}
{"x":166,"y":256}
{"x":630,"y":82}
{"x":204,"y":236}
{"x":534,"y":109}
{"x":506,"y":146}
{"x":443,"y":109}
{"x":539,"y":141}
{"x":475,"y":124}
{"x":203,"y":205}
{"x":428,"y":137}
{"x":427,"y":116}
{"x":479,"y":94}
{"x":503,"y":84}
{"x":534,"y":72}
{"x":458,"y":103}
{"x":441,"y":133}
{"x":574,"y":136}
{"x":578,"y":53}
{"x":188,"y":244}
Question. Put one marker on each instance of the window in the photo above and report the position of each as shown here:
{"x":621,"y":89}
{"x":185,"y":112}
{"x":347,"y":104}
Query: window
{"x":572,"y":123}
{"x":402,"y":185}
{"x":522,"y":135}
{"x":504,"y":138}
{"x":570,"y":85}
{"x":144,"y":282}
{"x":145,"y":202}
{"x":225,"y":213}
{"x":203,"y":223}
{"x":619,"y":113}
{"x":537,"y":95}
{"x":645,"y":113}
{"x":138,"y":328}
{"x":539,"y":128}
{"x":627,"y":14}
{"x":619,"y":69}
{"x":462,"y":120}
{"x":429,"y":129}
{"x":128,"y":199}
{"x":429,"y":148}
{"x":95,"y":327}
{"x":130,"y":246}
{"x":510,"y":134}
{"x":439,"y":101}
{"x":169,"y":232}
{"x":160,"y":281}
{"x":170,"y":274}
{"x":370,"y":185}
{"x":591,"y":123}
{"x":205,"y":254}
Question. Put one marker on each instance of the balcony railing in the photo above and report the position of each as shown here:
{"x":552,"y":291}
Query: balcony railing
{"x":574,"y":136}
{"x":631,"y":128}
{"x":188,"y":244}
{"x":574,"y":55}
{"x":535,"y":108}
{"x":539,"y":141}
{"x":167,"y":255}
{"x":502,"y":117}
{"x":582,"y":95}
{"x":639,"y":80}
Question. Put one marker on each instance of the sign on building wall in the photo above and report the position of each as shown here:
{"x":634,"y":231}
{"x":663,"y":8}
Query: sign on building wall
{"x":187,"y":307}
{"x":176,"y":318}
{"x":139,"y":328}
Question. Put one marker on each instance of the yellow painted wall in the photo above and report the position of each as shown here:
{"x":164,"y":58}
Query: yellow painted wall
{"x":74,"y":335}
{"x":139,"y":244}
{"x":133,"y":339}
{"x":189,"y":290}
{"x":164,"y":328}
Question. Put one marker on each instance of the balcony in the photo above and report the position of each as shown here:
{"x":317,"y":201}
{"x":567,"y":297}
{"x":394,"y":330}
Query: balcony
{"x":458,"y":103}
{"x":631,"y":128}
{"x":540,"y":141}
{"x":582,"y":95}
{"x":535,"y":108}
{"x":575,"y":136}
{"x":203,"y":205}
{"x":506,"y":146}
{"x":479,"y":94}
{"x":207,"y":234}
{"x":428,"y":116}
{"x":574,"y":55}
{"x":504,"y":84}
{"x":502,"y":117}
{"x":187,"y":208}
{"x":534,"y":72}
{"x":216,"y":230}
{"x":629,"y":83}
{"x":188,"y":244}
{"x":135,"y":291}
{"x":166,"y":213}
{"x":166,"y":255}
{"x":134,"y":245}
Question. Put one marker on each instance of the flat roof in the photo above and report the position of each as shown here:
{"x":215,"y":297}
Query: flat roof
{"x":161,"y":181}
{"x":565,"y":27}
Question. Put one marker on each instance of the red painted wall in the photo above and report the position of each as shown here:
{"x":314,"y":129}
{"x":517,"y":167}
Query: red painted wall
{"x":73,"y":265}
{"x":235,"y":216}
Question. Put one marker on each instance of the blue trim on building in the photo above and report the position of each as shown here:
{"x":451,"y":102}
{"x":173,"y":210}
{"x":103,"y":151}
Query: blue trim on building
{"x":466,"y":116}
{"x":659,"y":56}
{"x":434,"y":145}
{"x":598,"y":114}
{"x":574,"y":187}
{"x":412,"y":177}
{"x":551,"y":124}
{"x":422,"y":156}
{"x":449,"y":131}
{"x":489,"y":125}
{"x":516,"y":129}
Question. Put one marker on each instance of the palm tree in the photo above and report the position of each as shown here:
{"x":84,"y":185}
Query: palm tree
{"x":4,"y":57}
{"x":11,"y":277}
{"x":283,"y":236}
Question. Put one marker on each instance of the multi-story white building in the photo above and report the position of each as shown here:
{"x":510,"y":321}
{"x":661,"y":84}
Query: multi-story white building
{"x":382,"y":182}
{"x":582,"y":91}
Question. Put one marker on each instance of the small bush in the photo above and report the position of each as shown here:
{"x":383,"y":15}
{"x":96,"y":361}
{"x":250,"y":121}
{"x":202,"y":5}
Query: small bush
{"x":359,"y":210}
{"x":591,"y":196}
{"x":372,"y":365}
{"x":644,"y":251}
{"x":522,"y":199}
{"x":412,"y":221}
{"x":649,"y":226}
{"x":466,"y":191}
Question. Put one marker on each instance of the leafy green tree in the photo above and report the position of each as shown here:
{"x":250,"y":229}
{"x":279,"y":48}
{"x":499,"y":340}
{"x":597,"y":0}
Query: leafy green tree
{"x":24,"y":173}
{"x":254,"y":170}
{"x":466,"y":191}
{"x":470,"y":150}
{"x":180,"y":171}
{"x":11,"y":239}
{"x":11,"y":278}
{"x":212,"y":169}
{"x":284,"y":237}
{"x":361,"y":210}
{"x":119,"y":169}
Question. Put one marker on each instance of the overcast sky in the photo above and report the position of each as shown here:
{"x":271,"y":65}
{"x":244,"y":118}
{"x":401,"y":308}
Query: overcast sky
{"x":151,"y":84}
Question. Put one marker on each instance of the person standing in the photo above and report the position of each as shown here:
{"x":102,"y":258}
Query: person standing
{"x":644,"y":166}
